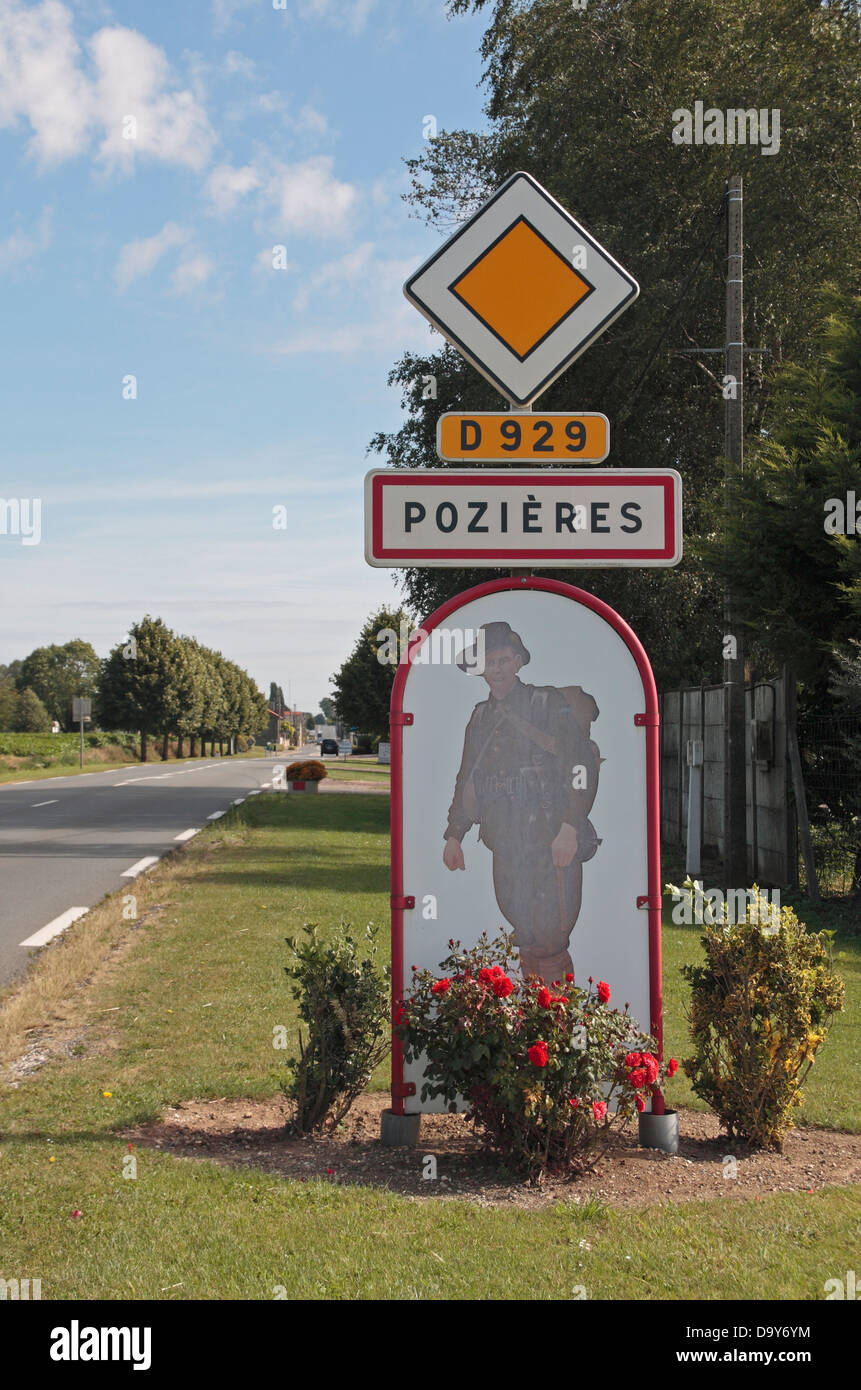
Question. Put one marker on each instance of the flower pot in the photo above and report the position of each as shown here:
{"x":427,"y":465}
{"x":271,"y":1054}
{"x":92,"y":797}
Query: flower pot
{"x":659,"y":1131}
{"x":303,"y":786}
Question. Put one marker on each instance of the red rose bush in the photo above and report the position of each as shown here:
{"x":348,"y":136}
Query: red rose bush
{"x":548,"y":1070}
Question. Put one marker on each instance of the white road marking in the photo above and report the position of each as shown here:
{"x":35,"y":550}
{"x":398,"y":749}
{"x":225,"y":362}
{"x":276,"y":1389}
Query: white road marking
{"x":139,"y":867}
{"x":265,"y":785}
{"x":59,"y":924}
{"x":216,"y":815}
{"x":187,"y":834}
{"x":256,"y":792}
{"x":239,"y":800}
{"x":45,"y":803}
{"x":128,"y":782}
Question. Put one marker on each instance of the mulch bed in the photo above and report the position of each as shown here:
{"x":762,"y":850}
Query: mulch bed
{"x":244,"y":1133}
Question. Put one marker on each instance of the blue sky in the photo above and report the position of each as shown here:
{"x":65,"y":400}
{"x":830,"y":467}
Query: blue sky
{"x":152,"y":257}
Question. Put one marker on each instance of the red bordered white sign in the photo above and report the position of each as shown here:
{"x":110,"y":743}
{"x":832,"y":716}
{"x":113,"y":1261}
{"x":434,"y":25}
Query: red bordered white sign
{"x":549,"y":517}
{"x":571,"y":645}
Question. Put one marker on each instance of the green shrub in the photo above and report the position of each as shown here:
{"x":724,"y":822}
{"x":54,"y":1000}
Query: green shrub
{"x":760,"y":1009}
{"x":546,"y":1071}
{"x":344,"y":1002}
{"x":50,"y":745}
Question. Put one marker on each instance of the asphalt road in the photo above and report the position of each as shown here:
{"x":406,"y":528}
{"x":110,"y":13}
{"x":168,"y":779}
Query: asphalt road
{"x":67,"y":841}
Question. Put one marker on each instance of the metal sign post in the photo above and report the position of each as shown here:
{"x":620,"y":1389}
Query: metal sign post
{"x":81,"y":713}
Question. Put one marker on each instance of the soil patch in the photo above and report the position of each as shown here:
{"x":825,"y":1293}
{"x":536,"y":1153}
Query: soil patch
{"x":251,"y":1133}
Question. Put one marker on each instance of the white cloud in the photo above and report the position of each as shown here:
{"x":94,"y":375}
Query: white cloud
{"x":346,"y":14}
{"x":226,"y":185}
{"x":310,"y":199}
{"x":132,"y":79}
{"x":223,"y":12}
{"x":264,"y":261}
{"x":140,"y":257}
{"x":42,"y":81}
{"x":372,"y":314}
{"x":192,"y":272}
{"x":309,"y":121}
{"x":335,"y":275}
{"x":46,"y":84}
{"x":24,"y":246}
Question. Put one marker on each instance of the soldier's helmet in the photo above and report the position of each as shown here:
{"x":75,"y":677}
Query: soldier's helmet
{"x":495,"y":635}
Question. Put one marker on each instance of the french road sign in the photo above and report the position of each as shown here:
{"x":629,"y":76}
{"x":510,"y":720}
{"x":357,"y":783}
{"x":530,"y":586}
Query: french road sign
{"x":521,"y":290}
{"x":484,"y":437}
{"x":563,"y":518}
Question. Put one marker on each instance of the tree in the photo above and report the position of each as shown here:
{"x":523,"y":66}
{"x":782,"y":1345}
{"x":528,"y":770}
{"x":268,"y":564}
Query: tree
{"x":584,"y":100}
{"x":786,"y":551}
{"x":191,"y":675}
{"x":59,"y":674}
{"x":363,"y":685}
{"x":140,"y":682}
{"x":8,"y":703}
{"x":31,"y":717}
{"x":213,"y":700}
{"x":327,"y":709}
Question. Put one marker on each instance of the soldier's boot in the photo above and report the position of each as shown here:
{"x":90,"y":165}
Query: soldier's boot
{"x":550,"y":968}
{"x":556,"y":967}
{"x":530,"y":963}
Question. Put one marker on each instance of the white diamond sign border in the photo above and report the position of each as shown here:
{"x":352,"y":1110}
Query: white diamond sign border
{"x":428,"y":289}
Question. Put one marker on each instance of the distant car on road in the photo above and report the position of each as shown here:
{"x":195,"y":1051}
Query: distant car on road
{"x":328,"y":745}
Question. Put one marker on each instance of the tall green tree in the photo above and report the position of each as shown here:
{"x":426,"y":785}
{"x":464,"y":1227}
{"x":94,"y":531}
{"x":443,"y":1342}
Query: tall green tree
{"x":140,"y":685}
{"x":363,"y":685}
{"x":8,"y":703}
{"x":791,"y":546}
{"x":31,"y":717}
{"x":57,"y":674}
{"x":584,"y":99}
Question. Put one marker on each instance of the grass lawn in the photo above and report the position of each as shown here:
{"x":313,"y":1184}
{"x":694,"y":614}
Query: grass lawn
{"x":184,"y":1005}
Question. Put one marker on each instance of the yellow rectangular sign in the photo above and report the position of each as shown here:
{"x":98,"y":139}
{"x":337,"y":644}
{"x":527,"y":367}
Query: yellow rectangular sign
{"x":523,"y":436}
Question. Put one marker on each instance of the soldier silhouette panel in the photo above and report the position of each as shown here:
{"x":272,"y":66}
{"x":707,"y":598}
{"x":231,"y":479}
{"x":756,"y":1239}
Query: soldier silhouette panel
{"x":528,"y":778}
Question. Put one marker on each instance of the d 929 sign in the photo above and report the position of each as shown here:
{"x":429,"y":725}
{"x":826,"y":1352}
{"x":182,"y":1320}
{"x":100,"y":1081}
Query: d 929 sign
{"x":524,"y":437}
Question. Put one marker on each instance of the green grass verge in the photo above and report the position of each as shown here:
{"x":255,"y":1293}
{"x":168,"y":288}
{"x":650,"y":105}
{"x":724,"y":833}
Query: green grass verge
{"x":188,"y":1230}
{"x":188,"y":1008}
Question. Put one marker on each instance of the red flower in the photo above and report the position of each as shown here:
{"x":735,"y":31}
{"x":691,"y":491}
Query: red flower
{"x":497,"y":972}
{"x":441,"y":987}
{"x":652,"y":1068}
{"x":401,"y":1020}
{"x":560,"y":999}
{"x":640,"y":1103}
{"x":633,"y":1059}
{"x":502,"y":987}
{"x":575,"y":1101}
{"x":603,"y":992}
{"x":538,"y":1054}
{"x":570,"y":978}
{"x":599,"y":1109}
{"x":485,"y":975}
{"x":672,"y":1067}
{"x":545,"y":998}
{"x":637,"y":1078}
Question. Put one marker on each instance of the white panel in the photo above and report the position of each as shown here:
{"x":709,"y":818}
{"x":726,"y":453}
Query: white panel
{"x":569,"y":645}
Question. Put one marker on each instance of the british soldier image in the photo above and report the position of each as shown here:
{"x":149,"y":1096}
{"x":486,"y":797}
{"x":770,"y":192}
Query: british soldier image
{"x":528,"y":777}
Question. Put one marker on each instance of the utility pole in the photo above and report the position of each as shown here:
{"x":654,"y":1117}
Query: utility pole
{"x":735,"y":797}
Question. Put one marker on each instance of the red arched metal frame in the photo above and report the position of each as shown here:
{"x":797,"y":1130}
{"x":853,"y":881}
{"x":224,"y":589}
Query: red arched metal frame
{"x":647,"y":718}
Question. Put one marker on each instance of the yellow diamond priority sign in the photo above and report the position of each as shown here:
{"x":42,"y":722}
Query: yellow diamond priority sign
{"x":521,"y":290}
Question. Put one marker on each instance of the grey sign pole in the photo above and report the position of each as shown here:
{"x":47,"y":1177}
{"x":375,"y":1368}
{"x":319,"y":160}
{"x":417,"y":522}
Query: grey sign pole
{"x":81,"y":711}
